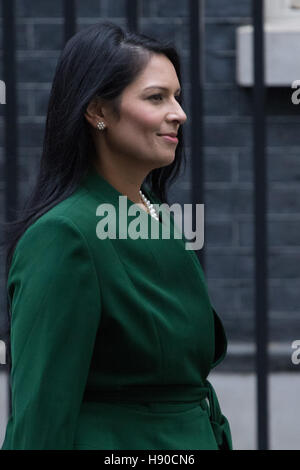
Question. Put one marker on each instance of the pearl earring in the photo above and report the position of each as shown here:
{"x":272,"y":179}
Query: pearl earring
{"x":101,"y":126}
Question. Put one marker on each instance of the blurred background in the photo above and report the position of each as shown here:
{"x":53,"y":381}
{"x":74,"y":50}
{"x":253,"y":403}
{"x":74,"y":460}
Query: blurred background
{"x":240,"y":59}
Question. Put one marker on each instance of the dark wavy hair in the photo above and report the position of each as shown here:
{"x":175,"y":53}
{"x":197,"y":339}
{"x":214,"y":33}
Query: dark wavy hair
{"x":101,"y":60}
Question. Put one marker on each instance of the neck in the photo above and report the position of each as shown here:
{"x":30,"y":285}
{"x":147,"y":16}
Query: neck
{"x":126,"y":185}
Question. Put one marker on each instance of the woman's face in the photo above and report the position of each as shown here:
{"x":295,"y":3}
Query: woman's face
{"x":145,"y":113}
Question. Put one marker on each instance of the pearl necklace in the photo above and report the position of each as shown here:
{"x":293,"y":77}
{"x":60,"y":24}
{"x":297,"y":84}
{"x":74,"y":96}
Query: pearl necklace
{"x":149,"y":206}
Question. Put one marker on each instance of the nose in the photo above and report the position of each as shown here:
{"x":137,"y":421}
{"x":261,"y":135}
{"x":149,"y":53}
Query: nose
{"x":177,"y":113}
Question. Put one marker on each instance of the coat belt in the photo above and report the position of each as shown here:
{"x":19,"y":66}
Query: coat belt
{"x":172,"y":394}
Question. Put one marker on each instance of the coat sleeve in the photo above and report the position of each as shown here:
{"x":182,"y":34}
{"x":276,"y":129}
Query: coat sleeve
{"x":55,"y":307}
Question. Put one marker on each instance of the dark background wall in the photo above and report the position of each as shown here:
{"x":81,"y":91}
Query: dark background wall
{"x":227,"y":144}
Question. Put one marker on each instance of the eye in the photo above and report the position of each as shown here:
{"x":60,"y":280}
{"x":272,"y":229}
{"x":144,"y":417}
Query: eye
{"x":155,"y":96}
{"x":178,"y":97}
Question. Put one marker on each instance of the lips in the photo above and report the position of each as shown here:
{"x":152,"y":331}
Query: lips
{"x":171,"y":134}
{"x":169,"y":138}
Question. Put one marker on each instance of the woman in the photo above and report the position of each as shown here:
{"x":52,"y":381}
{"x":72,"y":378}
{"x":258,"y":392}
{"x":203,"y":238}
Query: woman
{"x":111,"y":338}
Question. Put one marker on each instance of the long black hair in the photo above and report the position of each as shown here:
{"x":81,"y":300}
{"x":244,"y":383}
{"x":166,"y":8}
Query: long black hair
{"x":101,"y":60}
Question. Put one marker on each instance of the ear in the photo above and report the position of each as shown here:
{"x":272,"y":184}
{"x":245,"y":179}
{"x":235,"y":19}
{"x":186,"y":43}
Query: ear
{"x":94,"y":112}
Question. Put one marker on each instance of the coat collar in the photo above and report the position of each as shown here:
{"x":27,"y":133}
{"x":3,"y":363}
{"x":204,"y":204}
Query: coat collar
{"x":100,"y":187}
{"x":103,"y":190}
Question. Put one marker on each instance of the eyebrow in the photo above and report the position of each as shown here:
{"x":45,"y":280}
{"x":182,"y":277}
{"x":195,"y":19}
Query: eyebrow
{"x":161,"y":88}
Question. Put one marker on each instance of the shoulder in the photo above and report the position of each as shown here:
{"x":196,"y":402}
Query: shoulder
{"x":52,"y":251}
{"x":48,"y":241}
{"x":60,"y":229}
{"x":55,"y":247}
{"x":70,"y":219}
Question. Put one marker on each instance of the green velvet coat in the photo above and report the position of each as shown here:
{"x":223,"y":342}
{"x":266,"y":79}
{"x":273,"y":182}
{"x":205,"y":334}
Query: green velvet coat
{"x":112,"y":339}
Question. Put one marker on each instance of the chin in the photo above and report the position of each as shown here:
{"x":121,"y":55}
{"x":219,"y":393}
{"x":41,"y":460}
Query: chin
{"x":160,"y":160}
{"x":170,"y":159}
{"x":165,"y":162}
